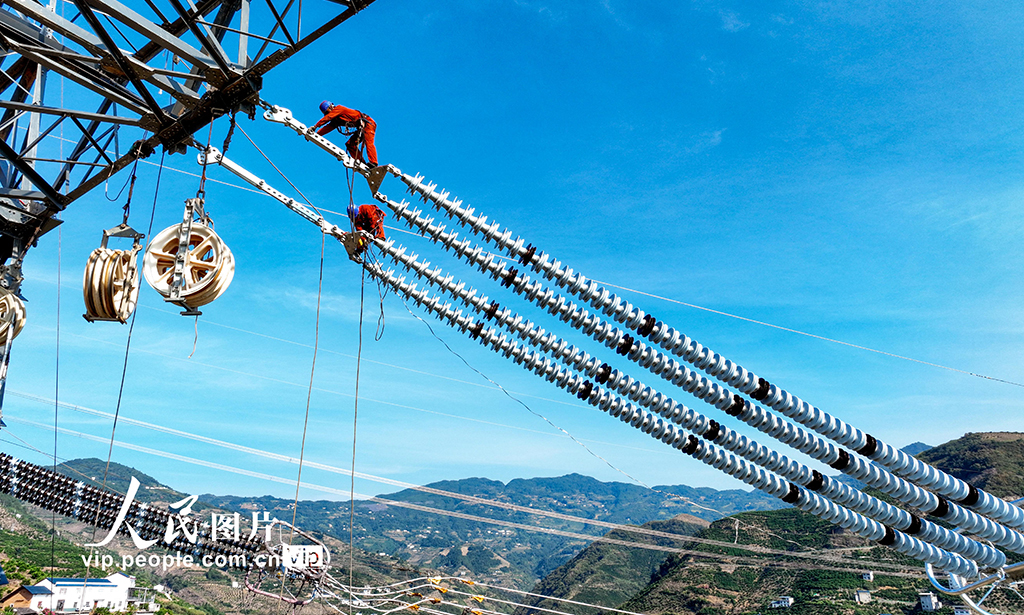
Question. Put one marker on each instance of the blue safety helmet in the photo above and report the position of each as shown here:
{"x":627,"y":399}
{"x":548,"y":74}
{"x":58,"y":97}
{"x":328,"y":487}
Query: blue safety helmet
{"x":325,"y":106}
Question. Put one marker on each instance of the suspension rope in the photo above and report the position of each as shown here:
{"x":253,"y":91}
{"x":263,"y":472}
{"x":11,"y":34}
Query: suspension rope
{"x":231,"y":132}
{"x":279,"y":171}
{"x":309,"y":393}
{"x":56,"y":400}
{"x":127,"y":347}
{"x":522,"y":403}
{"x":355,"y":423}
{"x":201,"y":193}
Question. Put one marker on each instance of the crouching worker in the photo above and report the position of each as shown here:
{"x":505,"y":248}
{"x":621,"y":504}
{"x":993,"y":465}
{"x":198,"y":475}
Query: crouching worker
{"x":368,"y":218}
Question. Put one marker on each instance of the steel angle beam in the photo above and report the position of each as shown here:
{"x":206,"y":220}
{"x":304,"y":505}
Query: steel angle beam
{"x":153,"y":32}
{"x":56,"y":199}
{"x":130,"y":80}
{"x":119,"y":58}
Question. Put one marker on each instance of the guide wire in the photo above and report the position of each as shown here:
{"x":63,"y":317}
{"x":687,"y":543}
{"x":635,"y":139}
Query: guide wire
{"x":355,"y":422}
{"x":387,"y":481}
{"x":814,"y":336}
{"x":56,"y":400}
{"x":309,"y":392}
{"x":279,"y":171}
{"x":520,"y":402}
{"x":127,"y":348}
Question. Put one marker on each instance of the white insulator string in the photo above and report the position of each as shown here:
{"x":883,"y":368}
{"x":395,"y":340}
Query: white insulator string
{"x":700,"y":386}
{"x":897,"y":461}
{"x":709,"y":454}
{"x":692,"y":421}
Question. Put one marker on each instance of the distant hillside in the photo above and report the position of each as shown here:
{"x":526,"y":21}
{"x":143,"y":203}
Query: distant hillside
{"x":27,"y":556}
{"x":990,"y":461}
{"x":743,"y":583}
{"x":916,"y":448}
{"x":609,"y":574}
{"x":118,"y":478}
{"x":511,"y":555}
{"x":687,"y":585}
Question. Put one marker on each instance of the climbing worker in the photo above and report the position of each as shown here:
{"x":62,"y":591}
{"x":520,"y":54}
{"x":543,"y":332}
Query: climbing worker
{"x":368,"y":218}
{"x":362,"y":125}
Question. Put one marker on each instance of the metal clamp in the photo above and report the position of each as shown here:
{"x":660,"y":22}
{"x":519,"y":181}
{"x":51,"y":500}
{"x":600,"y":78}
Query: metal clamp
{"x":193,"y":209}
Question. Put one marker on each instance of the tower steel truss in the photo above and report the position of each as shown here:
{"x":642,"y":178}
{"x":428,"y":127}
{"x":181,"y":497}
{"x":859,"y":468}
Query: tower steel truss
{"x":148,"y":75}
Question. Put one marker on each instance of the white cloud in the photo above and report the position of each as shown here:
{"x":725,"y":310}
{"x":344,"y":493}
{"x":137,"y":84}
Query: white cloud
{"x":731,"y":21}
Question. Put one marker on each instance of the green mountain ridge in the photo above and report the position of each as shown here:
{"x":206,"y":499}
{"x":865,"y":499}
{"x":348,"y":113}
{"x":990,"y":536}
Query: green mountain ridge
{"x":502,"y":554}
{"x":736,"y":582}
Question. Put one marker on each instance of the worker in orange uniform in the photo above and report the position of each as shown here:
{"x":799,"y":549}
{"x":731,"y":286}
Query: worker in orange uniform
{"x":368,"y":218}
{"x":362,"y":125}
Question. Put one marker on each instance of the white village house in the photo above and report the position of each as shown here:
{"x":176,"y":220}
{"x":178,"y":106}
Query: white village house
{"x":65,"y":595}
{"x":929,"y":603}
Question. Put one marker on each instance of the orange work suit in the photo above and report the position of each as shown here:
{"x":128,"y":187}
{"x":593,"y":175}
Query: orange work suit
{"x":370,"y":218}
{"x":342,"y":117}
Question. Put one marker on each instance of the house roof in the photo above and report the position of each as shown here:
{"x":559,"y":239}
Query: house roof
{"x":36,"y":589}
{"x":65,"y":582}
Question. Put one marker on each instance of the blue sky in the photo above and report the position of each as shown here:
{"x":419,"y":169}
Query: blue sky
{"x":852,"y":170}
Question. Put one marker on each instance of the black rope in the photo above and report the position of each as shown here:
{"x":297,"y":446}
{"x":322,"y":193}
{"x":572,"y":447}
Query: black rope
{"x":125,"y":185}
{"x":56,"y":402}
{"x":382,"y":292}
{"x":131,"y":190}
{"x":128,"y":343}
{"x":355,"y":422}
{"x":201,"y":193}
{"x":312,"y":373}
{"x":231,"y":132}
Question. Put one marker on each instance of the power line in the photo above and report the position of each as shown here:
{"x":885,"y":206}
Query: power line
{"x":813,"y":555}
{"x":370,"y":477}
{"x":812,"y":335}
{"x":349,"y":395}
{"x":683,"y":303}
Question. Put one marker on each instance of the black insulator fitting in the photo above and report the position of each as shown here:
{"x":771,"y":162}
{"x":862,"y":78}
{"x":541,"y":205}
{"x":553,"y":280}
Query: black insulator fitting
{"x":585,"y":390}
{"x":869,"y":449}
{"x":793,"y":496}
{"x":492,"y":309}
{"x":842,"y":462}
{"x":476,"y":329}
{"x":509,"y":277}
{"x":972,"y":497}
{"x":647,"y":326}
{"x":915,"y":525}
{"x":603,"y":373}
{"x":736,"y":407}
{"x":625,"y":346}
{"x":889,"y":538}
{"x":526,"y":258}
{"x":762,"y":389}
{"x":942,"y":509}
{"x":713,"y":430}
{"x":691,"y":445}
{"x":817,"y":481}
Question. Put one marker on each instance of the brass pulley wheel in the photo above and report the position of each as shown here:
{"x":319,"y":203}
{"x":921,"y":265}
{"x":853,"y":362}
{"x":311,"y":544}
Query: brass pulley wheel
{"x":208,"y":268}
{"x":12,"y":314}
{"x":111,"y":284}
